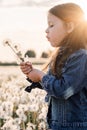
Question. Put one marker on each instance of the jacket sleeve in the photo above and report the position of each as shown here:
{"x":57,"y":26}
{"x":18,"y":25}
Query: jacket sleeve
{"x":72,"y":78}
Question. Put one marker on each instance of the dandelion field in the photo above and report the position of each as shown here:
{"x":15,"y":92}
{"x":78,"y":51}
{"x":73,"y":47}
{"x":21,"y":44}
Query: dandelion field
{"x":20,"y":110}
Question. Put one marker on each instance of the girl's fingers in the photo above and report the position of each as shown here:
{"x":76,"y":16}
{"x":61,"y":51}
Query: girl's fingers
{"x":26,"y":70}
{"x":28,"y":63}
{"x":26,"y":67}
{"x":22,"y":63}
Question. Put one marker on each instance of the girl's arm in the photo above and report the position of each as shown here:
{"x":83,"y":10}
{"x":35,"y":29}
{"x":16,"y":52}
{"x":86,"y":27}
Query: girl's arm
{"x":73,"y":78}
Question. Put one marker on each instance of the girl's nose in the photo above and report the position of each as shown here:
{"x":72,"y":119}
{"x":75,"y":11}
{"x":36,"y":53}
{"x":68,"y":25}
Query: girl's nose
{"x":46,"y":30}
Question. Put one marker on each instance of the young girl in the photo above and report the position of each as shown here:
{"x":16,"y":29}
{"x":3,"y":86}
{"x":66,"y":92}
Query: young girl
{"x":66,"y":80}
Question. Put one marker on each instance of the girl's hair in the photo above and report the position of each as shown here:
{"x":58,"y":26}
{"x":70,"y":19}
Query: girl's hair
{"x":77,"y":39}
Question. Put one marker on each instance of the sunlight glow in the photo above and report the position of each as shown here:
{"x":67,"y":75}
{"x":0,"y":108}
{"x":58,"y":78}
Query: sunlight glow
{"x":86,"y":16}
{"x":85,"y":13}
{"x":84,"y":7}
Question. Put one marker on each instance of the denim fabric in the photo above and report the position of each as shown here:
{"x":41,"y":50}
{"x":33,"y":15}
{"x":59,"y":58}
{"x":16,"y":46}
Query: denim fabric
{"x":68,"y":95}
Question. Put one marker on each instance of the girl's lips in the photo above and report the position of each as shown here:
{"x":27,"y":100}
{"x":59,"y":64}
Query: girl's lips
{"x":47,"y":38}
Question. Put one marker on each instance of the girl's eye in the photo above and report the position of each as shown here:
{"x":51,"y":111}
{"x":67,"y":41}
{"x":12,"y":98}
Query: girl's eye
{"x":51,"y":25}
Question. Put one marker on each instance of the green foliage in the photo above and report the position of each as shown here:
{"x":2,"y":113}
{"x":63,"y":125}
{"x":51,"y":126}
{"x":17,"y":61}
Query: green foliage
{"x":44,"y":55}
{"x":30,"y":53}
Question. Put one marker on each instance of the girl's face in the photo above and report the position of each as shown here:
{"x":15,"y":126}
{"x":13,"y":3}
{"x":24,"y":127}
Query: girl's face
{"x":56,"y":30}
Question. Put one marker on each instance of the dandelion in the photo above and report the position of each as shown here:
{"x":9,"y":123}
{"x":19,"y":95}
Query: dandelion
{"x":23,"y":107}
{"x":10,"y":127}
{"x":7,"y":42}
{"x":7,"y":107}
{"x":23,"y":97}
{"x":42,"y":126}
{"x":30,"y":126}
{"x":21,"y":115}
{"x":2,"y":113}
{"x":15,"y":100}
{"x":14,"y":48}
{"x":41,"y":116}
{"x":33,"y":107}
{"x":19,"y":112}
{"x":17,"y":121}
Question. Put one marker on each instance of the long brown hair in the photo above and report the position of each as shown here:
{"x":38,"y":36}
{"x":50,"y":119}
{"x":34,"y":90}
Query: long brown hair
{"x":77,"y":39}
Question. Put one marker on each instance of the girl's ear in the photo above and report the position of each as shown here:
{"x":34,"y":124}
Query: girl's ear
{"x":70,"y":27}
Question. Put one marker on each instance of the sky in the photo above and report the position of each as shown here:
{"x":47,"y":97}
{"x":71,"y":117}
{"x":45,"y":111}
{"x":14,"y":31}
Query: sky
{"x":25,"y":26}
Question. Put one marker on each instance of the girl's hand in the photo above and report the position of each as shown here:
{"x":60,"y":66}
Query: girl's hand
{"x":35,"y":75}
{"x":26,"y":67}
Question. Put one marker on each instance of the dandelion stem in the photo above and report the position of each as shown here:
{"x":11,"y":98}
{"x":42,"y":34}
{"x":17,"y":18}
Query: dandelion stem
{"x":22,"y":59}
{"x":23,"y":124}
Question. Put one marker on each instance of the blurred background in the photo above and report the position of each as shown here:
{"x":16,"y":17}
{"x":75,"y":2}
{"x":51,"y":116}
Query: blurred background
{"x":24,"y":22}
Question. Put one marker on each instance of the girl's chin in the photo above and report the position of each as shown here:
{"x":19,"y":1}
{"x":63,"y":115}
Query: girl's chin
{"x":53,"y":45}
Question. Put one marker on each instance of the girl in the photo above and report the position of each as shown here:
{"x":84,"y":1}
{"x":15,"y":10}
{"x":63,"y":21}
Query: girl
{"x":66,"y":80}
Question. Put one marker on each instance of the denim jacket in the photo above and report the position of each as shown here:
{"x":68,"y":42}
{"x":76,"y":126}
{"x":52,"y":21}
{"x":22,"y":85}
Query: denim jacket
{"x":68,"y":95}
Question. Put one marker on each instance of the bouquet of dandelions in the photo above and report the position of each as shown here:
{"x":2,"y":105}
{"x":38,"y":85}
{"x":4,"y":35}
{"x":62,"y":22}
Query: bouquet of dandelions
{"x":16,"y":49}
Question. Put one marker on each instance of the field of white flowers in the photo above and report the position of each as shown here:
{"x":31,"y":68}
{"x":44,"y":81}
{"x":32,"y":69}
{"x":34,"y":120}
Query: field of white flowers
{"x":20,"y":110}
